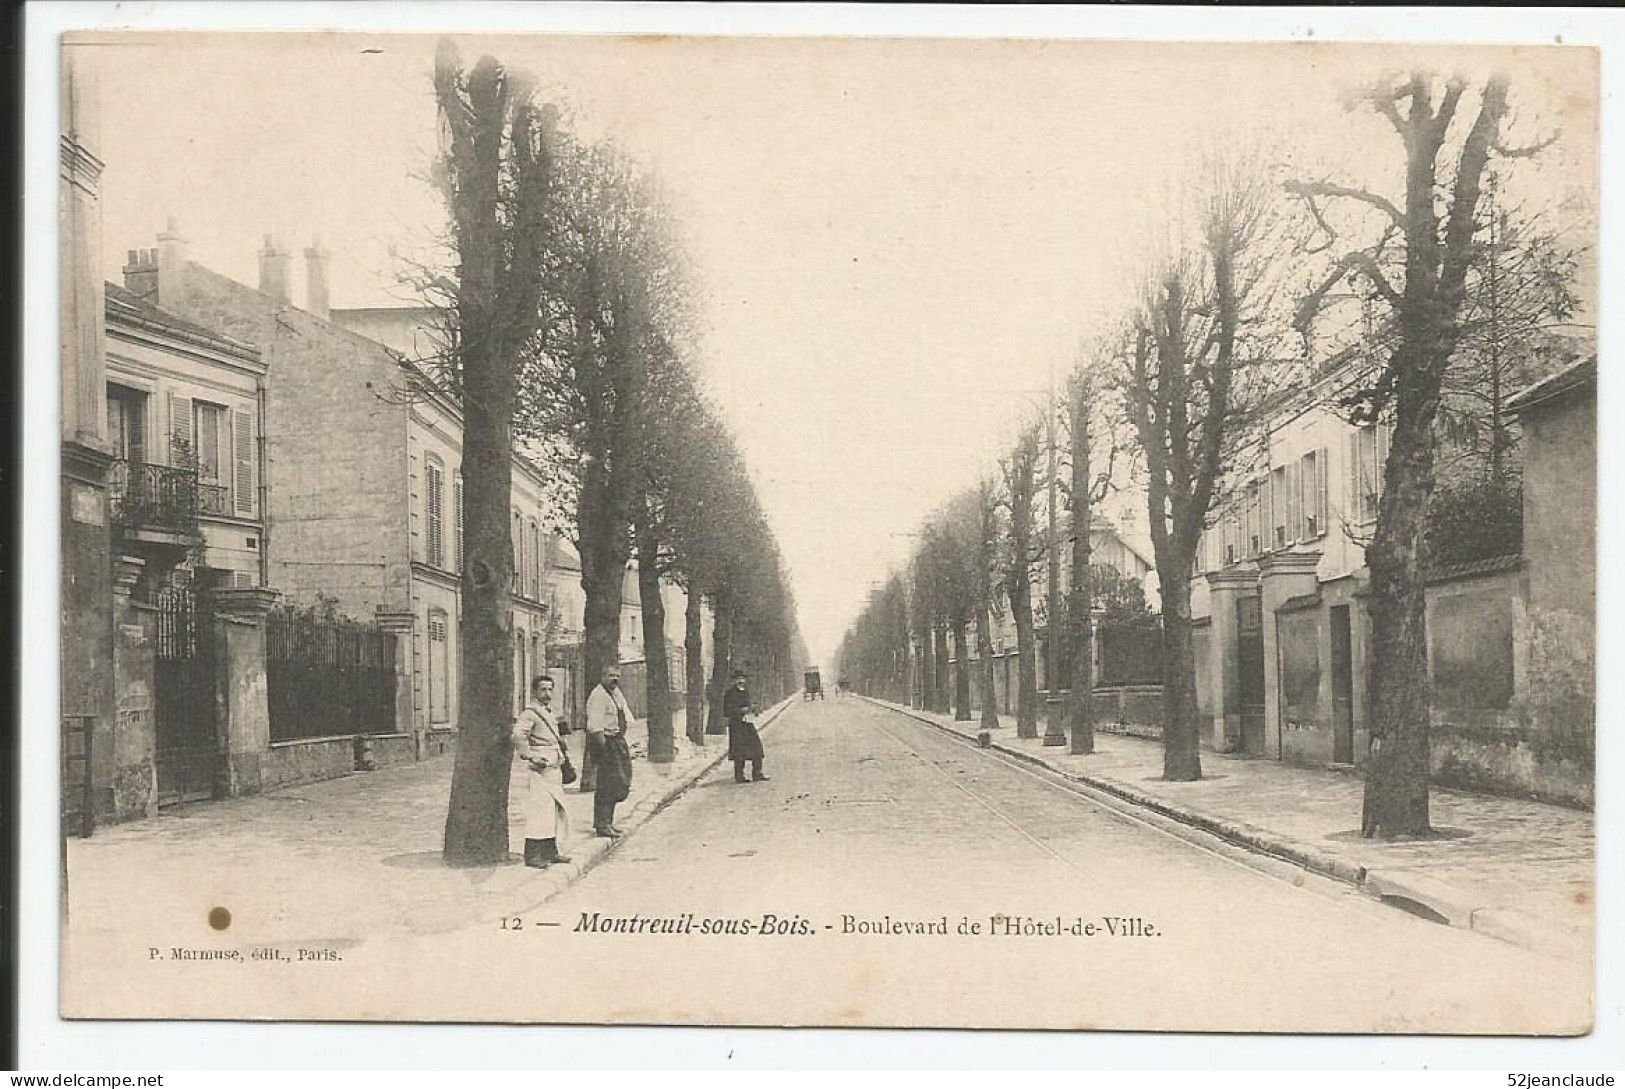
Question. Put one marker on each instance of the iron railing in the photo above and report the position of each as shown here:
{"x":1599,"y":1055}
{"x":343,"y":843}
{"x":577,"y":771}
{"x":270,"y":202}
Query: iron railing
{"x":154,"y":496}
{"x":328,"y":678}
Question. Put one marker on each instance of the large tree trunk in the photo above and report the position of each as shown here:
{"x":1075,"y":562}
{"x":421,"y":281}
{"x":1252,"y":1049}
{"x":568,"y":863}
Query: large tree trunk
{"x":477,"y":816}
{"x":941,"y":682}
{"x":1396,"y":788}
{"x":1021,"y":606}
{"x":961,"y":673}
{"x":927,"y":670}
{"x":476,"y":830}
{"x":1080,"y":706}
{"x":694,"y":669}
{"x":604,"y":548}
{"x":1181,"y":745}
{"x":656,"y":666}
{"x":984,"y":645}
{"x":722,"y":624}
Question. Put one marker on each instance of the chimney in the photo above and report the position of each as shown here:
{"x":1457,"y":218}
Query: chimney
{"x":141,"y":274}
{"x":316,"y":278}
{"x":171,"y":259}
{"x":276,"y":264}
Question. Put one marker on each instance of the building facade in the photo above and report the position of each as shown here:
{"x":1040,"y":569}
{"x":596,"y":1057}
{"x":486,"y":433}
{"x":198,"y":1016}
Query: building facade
{"x":185,"y":422}
{"x":364,"y":512}
{"x":1282,"y":628}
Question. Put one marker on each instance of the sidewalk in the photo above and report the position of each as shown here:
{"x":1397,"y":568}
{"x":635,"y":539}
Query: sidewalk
{"x":343,"y":860}
{"x":1516,"y":870}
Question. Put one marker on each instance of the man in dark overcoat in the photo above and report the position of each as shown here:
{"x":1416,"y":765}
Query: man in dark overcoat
{"x":744,"y":743}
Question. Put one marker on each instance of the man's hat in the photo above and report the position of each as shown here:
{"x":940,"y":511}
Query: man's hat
{"x":739,"y":673}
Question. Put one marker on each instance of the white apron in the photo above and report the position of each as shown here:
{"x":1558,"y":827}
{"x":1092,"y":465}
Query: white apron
{"x":537,"y":739}
{"x":545,"y":815}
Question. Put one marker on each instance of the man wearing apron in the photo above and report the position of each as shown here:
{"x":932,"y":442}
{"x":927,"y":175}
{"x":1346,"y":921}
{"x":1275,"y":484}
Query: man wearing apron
{"x":537,"y":740}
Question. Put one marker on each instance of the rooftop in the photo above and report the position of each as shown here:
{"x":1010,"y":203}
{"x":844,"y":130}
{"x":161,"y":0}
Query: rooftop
{"x":126,"y":306}
{"x":1571,"y":377}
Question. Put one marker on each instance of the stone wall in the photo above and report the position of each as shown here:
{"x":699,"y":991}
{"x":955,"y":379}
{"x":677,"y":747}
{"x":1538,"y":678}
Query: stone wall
{"x":1472,"y":625}
{"x":1510,"y":761}
{"x":289,"y":763}
{"x":134,"y":785}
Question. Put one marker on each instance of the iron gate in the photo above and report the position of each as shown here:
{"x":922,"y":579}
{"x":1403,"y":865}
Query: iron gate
{"x":186,"y":717}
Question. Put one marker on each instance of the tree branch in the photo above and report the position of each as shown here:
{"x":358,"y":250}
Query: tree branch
{"x":1310,"y":190}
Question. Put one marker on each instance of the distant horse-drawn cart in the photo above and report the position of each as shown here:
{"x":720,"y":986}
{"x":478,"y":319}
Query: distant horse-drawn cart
{"x":813,"y":688}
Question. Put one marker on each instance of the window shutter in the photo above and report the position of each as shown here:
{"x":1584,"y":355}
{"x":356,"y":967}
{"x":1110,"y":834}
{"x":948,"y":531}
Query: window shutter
{"x":521,"y":550}
{"x":1294,"y":502}
{"x":1356,"y":500}
{"x":1249,"y":531}
{"x":434,"y":515}
{"x":1322,"y":499}
{"x":457,"y":515}
{"x":1266,"y":510}
{"x":242,"y":437}
{"x":180,"y":433}
{"x":534,"y":568}
{"x":515,"y":533}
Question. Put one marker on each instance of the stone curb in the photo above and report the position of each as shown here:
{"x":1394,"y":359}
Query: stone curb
{"x":1456,"y":907}
{"x":590,"y":852}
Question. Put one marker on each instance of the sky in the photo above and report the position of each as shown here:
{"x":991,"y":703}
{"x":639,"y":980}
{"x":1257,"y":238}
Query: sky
{"x":896,"y":242}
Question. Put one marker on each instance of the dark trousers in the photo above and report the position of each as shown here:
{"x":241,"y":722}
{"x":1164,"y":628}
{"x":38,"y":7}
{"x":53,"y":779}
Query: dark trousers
{"x":603,"y":812}
{"x":755,"y":768}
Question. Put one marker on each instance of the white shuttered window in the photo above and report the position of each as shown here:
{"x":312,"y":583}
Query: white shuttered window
{"x":434,"y":487}
{"x":242,"y":461}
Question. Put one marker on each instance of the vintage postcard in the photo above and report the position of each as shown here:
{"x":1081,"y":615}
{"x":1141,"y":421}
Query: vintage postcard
{"x":814,"y":531}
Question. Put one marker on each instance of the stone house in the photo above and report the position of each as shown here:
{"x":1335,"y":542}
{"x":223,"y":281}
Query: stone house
{"x":162,"y":471}
{"x":365,"y":511}
{"x":551,"y":596}
{"x":184,"y":418}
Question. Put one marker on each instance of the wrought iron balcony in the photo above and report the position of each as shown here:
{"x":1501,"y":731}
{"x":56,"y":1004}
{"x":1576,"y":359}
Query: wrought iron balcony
{"x":154,"y":497}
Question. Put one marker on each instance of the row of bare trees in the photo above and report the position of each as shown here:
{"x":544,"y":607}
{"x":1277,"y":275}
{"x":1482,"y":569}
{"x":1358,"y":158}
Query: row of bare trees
{"x":1453,"y":291}
{"x":569,"y":338}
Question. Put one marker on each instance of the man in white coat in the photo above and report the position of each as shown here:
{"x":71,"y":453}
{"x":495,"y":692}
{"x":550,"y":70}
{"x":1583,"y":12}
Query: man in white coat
{"x":537,"y":741}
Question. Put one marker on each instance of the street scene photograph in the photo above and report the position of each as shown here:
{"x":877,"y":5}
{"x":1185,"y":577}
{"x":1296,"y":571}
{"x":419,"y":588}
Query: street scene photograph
{"x":866,"y":532}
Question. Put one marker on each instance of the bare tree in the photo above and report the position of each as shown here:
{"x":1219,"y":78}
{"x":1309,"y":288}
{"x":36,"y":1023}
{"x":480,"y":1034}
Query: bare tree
{"x":1424,"y":286}
{"x":498,"y":180}
{"x":1179,"y":379}
{"x":1088,"y":486}
{"x":954,"y":558}
{"x":1022,"y":552}
{"x":986,"y":551}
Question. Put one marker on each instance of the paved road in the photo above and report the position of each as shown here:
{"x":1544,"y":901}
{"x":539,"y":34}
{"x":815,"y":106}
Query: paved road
{"x":872,"y":817}
{"x":873,"y":827}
